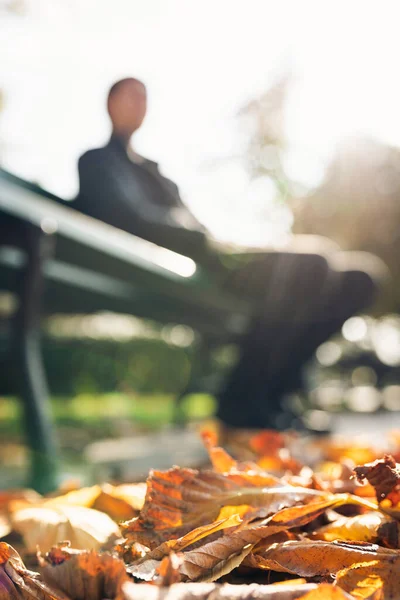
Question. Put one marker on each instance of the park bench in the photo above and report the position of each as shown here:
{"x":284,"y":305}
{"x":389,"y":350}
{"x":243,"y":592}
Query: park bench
{"x":56,"y":260}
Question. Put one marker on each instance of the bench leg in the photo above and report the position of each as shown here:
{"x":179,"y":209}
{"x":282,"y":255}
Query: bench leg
{"x":32,"y":379}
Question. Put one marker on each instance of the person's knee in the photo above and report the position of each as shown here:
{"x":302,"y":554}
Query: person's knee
{"x":361,"y":261}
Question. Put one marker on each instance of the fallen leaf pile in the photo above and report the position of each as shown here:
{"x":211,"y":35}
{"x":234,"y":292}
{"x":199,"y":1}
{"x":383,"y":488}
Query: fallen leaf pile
{"x":258,"y":523}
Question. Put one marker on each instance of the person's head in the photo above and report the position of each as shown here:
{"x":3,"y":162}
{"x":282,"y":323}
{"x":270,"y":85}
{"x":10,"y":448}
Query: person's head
{"x":127,"y":105}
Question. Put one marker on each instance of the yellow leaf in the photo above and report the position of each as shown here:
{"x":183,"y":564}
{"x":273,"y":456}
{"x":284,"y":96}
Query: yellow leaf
{"x":372,"y":526}
{"x":46,"y":526}
{"x":376,"y":579}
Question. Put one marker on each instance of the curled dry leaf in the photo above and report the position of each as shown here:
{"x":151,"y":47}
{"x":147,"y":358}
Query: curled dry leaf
{"x":372,"y":526}
{"x":382,"y":474}
{"x":216,"y":558}
{"x":46,"y":526}
{"x":17,"y":583}
{"x":146,"y":567}
{"x":213,"y":591}
{"x":84,"y":575}
{"x":322,"y":559}
{"x":179,"y":500}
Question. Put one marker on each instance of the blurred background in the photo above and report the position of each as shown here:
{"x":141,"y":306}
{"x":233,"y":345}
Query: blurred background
{"x":273,"y":118}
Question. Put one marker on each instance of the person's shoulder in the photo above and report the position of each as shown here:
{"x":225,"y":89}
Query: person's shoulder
{"x":93,"y":154}
{"x":94,"y":158}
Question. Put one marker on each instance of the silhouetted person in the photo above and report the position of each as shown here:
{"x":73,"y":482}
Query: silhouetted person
{"x":126,"y":190}
{"x":299,"y":296}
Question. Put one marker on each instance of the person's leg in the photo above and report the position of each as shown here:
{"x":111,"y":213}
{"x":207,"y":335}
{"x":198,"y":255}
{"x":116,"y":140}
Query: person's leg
{"x":351,"y":288}
{"x":306,"y":302}
{"x":286,"y":285}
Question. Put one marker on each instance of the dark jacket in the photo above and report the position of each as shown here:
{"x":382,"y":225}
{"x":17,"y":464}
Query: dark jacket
{"x":137,"y":198}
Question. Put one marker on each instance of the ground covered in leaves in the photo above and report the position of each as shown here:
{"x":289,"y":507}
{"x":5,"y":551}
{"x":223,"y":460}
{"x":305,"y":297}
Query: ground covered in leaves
{"x":278,"y":517}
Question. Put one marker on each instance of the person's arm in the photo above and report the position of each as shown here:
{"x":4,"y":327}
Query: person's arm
{"x":180,"y":211}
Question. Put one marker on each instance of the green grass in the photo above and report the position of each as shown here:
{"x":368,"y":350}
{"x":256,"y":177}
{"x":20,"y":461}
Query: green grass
{"x":85,"y":418}
{"x":86,"y":410}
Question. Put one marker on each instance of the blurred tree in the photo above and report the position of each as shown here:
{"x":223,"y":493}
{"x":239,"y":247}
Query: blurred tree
{"x":13,"y":6}
{"x":267,"y":142}
{"x":358,"y":202}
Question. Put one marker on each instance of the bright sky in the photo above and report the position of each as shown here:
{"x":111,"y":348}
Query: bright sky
{"x":201,"y":60}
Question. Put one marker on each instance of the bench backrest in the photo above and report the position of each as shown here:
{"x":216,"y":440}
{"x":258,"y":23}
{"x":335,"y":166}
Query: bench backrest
{"x":96,"y":266}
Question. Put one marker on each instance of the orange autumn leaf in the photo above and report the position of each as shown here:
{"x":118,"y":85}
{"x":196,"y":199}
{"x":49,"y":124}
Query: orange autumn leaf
{"x":326,"y":591}
{"x":337,"y":449}
{"x":267,"y":443}
{"x":221,"y":461}
{"x":122,"y":502}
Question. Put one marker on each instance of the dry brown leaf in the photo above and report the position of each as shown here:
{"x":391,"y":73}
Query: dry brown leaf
{"x":382,"y":474}
{"x":17,"y":583}
{"x":373,"y":580}
{"x":213,"y":591}
{"x":322,"y":559}
{"x":146,"y":567}
{"x":168,"y":571}
{"x":179,"y":500}
{"x":84,"y":575}
{"x":218,"y":557}
{"x":46,"y":526}
{"x":372,"y":526}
